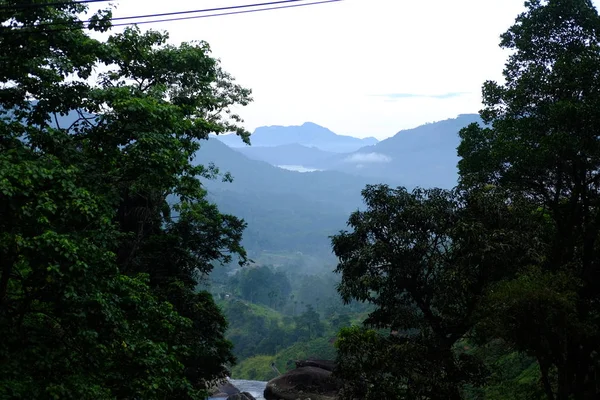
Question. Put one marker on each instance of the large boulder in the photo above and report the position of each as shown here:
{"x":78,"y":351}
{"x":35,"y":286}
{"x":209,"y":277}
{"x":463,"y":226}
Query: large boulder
{"x":327,"y":365}
{"x":241,"y":396}
{"x":225,"y":390}
{"x":304,"y":383}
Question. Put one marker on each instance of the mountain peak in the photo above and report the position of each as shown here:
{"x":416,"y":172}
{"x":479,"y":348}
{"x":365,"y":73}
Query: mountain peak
{"x":309,"y":124}
{"x":309,"y":134}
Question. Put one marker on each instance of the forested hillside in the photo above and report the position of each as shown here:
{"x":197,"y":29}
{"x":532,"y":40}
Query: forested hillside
{"x":281,"y":315}
{"x":142,"y":258}
{"x":286,"y":211}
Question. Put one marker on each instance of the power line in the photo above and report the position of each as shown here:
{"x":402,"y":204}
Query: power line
{"x":208,"y":10}
{"x":184,"y":12}
{"x":228,"y":13}
{"x":76,"y":27}
{"x":54,"y":4}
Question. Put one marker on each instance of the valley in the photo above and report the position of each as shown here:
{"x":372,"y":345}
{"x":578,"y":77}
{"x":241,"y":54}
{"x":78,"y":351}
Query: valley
{"x":153,"y":247}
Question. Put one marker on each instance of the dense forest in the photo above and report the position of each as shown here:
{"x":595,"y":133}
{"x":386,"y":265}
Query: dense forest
{"x":121,"y":278}
{"x":279,"y":317}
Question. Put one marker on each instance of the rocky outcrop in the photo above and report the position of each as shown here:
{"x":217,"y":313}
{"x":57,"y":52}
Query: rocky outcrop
{"x":311,"y":380}
{"x":226,"y":391}
{"x":241,"y":396}
{"x":327,"y":365}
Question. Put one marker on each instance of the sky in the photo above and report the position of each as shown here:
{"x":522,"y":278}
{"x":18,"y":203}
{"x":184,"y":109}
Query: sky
{"x":358,"y":67}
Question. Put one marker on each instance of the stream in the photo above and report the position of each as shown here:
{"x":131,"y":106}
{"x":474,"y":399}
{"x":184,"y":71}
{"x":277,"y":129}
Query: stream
{"x":255,"y":388}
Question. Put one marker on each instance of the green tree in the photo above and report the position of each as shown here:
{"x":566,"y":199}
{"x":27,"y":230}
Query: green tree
{"x":263,"y":285}
{"x":540,"y":143}
{"x":340,"y":321}
{"x":425,"y":261}
{"x":309,"y":324}
{"x":97,"y":270}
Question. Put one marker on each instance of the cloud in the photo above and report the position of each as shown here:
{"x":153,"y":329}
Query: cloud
{"x":442,"y":96}
{"x":368,"y":158}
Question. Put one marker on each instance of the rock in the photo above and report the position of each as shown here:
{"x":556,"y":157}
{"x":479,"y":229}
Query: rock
{"x":327,"y":365}
{"x":303,"y":383}
{"x":225,"y":390}
{"x":241,"y":396}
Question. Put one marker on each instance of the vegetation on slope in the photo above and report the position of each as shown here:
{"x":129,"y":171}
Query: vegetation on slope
{"x":97,"y":280}
{"x":488,"y":290}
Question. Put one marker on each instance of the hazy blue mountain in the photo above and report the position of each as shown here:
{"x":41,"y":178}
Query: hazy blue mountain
{"x":307,"y":134}
{"x":286,"y":211}
{"x":423,"y":156}
{"x":330,"y":187}
{"x":287,"y":154}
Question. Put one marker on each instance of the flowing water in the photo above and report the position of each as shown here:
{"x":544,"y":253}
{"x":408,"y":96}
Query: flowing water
{"x":255,"y":388}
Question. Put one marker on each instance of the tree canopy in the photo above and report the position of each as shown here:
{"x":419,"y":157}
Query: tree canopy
{"x":512,"y":253}
{"x":97,"y":271}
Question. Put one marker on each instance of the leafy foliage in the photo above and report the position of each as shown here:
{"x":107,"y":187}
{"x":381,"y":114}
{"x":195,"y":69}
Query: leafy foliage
{"x":541,"y":145}
{"x":257,"y":330}
{"x":97,"y":279}
{"x":512,"y":254}
{"x":423,"y":260}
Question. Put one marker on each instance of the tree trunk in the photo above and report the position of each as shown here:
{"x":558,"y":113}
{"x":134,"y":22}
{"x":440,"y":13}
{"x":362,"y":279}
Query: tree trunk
{"x":5,"y":277}
{"x":544,"y":368}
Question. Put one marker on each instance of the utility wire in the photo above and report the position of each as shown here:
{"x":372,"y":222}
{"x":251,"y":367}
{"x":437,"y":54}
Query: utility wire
{"x":229,"y":13}
{"x":77,"y":26}
{"x":54,"y":4}
{"x":184,"y":12}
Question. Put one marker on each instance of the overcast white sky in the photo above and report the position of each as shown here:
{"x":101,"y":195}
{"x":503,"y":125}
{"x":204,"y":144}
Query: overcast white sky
{"x":358,"y":67}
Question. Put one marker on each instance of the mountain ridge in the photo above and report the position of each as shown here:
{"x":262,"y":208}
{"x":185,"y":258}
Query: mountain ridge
{"x":308,"y":134}
{"x":286,"y":211}
{"x":421,"y":156}
{"x":287,"y":154}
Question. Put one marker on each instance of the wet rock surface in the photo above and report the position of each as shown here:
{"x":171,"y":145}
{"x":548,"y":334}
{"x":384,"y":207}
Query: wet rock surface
{"x":311,"y":380}
{"x":226,"y":390}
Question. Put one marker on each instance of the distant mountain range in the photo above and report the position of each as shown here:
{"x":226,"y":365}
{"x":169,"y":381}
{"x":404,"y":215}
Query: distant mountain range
{"x":294,"y":211}
{"x":288,"y":154}
{"x":423,"y":156}
{"x":286,"y":211}
{"x":307,"y":134}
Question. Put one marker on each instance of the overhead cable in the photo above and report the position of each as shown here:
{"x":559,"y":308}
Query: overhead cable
{"x":81,"y":24}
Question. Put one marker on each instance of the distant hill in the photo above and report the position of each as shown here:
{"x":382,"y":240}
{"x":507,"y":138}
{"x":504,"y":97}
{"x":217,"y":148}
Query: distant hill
{"x":423,"y":156}
{"x":286,"y":211}
{"x":287,"y":154}
{"x":307,"y":134}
